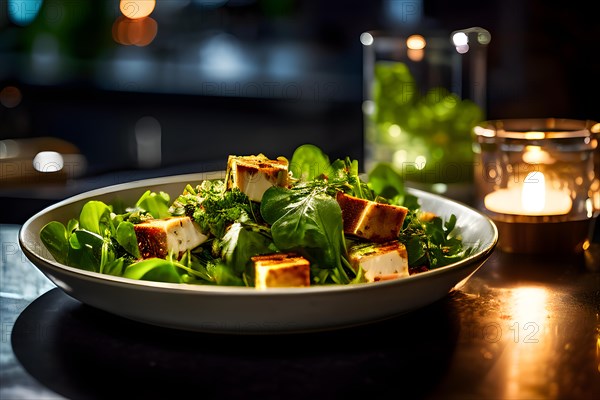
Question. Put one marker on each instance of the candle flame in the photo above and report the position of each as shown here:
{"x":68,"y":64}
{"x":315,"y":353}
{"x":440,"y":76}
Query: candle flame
{"x":533,"y":196}
{"x":536,"y":155}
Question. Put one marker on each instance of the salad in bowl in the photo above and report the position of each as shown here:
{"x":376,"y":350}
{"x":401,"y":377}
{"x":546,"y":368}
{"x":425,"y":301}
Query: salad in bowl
{"x":298,"y":222}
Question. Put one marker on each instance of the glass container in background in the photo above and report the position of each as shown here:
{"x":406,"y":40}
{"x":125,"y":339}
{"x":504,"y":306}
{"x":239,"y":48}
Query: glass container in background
{"x":423,"y":95}
{"x":539,"y":181}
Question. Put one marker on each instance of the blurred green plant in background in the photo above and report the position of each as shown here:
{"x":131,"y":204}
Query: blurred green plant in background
{"x":426,"y":136}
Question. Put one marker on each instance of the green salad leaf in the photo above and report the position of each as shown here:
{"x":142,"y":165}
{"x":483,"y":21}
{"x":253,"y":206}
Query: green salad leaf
{"x":240,"y":243}
{"x":126,"y":237}
{"x":309,"y":162}
{"x":95,"y":217}
{"x":153,"y":269}
{"x":55,"y":237}
{"x":306,"y":220}
{"x":157,"y":204}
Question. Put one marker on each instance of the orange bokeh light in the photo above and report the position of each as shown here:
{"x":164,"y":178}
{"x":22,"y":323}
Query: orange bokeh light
{"x":137,"y":32}
{"x":416,"y":42}
{"x":136,"y":9}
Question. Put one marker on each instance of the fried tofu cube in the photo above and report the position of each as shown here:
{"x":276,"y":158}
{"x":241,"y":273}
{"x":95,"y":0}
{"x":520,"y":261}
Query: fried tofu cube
{"x":253,"y":175}
{"x":281,"y":270}
{"x":370,"y":220}
{"x":159,"y":237}
{"x":380,"y":261}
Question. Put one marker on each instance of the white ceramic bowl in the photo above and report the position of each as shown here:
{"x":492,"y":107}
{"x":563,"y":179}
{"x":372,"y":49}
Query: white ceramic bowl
{"x":247,"y":310}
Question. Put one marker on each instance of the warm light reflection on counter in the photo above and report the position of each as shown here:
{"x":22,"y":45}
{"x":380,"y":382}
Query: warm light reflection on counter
{"x":528,"y":357}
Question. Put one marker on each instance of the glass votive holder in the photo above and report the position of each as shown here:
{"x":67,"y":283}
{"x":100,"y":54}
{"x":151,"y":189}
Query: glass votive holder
{"x":539,"y":181}
{"x":423,"y":94}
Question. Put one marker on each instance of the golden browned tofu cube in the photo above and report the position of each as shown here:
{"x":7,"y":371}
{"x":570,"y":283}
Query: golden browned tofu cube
{"x":253,"y":175}
{"x":281,"y":270}
{"x":369,"y":220}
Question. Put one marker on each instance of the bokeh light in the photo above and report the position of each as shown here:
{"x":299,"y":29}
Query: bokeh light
{"x":23,"y":12}
{"x":415,"y":55}
{"x":460,"y":39}
{"x":10,"y":96}
{"x":366,"y":39}
{"x":137,"y":32}
{"x":416,"y":42}
{"x":135,"y":9}
{"x":48,"y":161}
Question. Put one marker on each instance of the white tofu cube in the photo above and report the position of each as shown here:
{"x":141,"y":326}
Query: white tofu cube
{"x":380,"y":261}
{"x":159,"y":237}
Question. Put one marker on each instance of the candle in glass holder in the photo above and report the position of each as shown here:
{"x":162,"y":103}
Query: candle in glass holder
{"x":530,"y":198}
{"x":538,"y":180}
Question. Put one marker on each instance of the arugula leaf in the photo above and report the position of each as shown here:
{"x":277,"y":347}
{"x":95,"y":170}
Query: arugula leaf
{"x":344,"y":176}
{"x":432,"y":243}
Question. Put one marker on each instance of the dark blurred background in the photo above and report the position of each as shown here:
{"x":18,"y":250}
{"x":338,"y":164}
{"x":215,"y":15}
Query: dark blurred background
{"x":196,"y":80}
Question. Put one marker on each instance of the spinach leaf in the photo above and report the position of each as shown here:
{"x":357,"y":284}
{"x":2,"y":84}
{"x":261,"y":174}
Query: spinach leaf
{"x":89,"y":251}
{"x":240,"y":242}
{"x":157,"y":204}
{"x":95,"y":217}
{"x":126,"y":237}
{"x":305,"y":218}
{"x":387,"y":183}
{"x":308,"y":162}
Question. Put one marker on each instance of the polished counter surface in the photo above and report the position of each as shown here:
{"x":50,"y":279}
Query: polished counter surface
{"x":523,"y":327}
